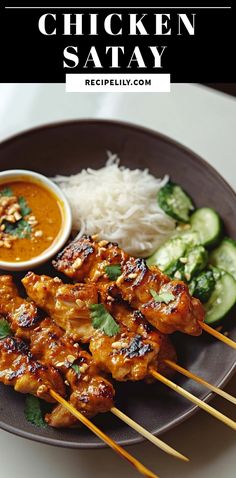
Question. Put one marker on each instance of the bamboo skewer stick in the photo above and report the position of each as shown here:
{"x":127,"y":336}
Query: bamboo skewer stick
{"x":117,"y":448}
{"x":200,"y":380}
{"x":217,"y":335}
{"x":215,"y":413}
{"x":146,"y":434}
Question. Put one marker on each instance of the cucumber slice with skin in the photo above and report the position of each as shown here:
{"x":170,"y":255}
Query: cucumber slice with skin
{"x":175,"y":202}
{"x":207,"y":223}
{"x":189,"y":237}
{"x":167,"y":255}
{"x":203,"y":285}
{"x":224,"y":256}
{"x":222,"y":299}
{"x":196,"y":260}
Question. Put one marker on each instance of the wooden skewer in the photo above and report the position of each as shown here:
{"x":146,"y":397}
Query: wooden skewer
{"x":200,"y":380}
{"x":215,"y":413}
{"x":117,"y":448}
{"x":142,"y":431}
{"x":217,"y":335}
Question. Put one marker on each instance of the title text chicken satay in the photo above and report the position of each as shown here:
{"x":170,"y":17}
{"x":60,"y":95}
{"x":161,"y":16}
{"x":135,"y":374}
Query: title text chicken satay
{"x":85,"y":259}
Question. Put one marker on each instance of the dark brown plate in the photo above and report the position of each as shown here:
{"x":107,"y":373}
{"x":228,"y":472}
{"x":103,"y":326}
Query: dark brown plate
{"x":66,"y":148}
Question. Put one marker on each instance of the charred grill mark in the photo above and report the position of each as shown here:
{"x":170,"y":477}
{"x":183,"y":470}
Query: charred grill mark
{"x":13,"y":344}
{"x":27,"y":318}
{"x":16,"y":373}
{"x":140,"y":319}
{"x":53,"y":336}
{"x":136,"y":348}
{"x":74,"y":250}
{"x":136,"y":268}
{"x":34,"y":367}
{"x":179,"y":288}
{"x":83,"y":398}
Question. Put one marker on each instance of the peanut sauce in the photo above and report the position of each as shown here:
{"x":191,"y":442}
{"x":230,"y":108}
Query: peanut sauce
{"x":45,"y":220}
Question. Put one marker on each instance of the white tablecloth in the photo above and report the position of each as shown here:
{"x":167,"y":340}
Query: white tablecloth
{"x":205,"y":121}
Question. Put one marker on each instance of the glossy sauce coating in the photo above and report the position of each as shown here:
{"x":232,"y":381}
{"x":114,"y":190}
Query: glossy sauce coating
{"x":46,"y":209}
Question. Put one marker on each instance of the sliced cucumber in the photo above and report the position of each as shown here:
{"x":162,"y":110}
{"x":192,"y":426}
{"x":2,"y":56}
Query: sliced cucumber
{"x":202,"y":285}
{"x":190,"y":237}
{"x":167,"y":255}
{"x":225,"y":256}
{"x":222,"y":298}
{"x":175,"y":202}
{"x":195,"y":261}
{"x":207,"y":223}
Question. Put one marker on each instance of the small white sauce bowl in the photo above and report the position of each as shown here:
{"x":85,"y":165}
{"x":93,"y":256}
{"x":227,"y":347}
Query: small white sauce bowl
{"x":61,"y":238}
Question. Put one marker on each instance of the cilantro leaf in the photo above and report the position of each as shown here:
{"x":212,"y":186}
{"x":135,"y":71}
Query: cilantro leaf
{"x":113,"y":271}
{"x":6,"y":192}
{"x":25,"y":209}
{"x":103,"y":320}
{"x":4,"y":329}
{"x":165,"y":297}
{"x":76,"y":368}
{"x":21,"y":228}
{"x":33,"y":412}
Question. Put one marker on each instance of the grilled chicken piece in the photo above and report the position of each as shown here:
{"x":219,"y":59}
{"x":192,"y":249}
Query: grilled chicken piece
{"x":95,"y":396}
{"x":91,"y":393}
{"x":67,"y":304}
{"x":181,"y":314}
{"x":24,"y":314}
{"x":127,"y":356}
{"x":85,"y":259}
{"x":21,"y":371}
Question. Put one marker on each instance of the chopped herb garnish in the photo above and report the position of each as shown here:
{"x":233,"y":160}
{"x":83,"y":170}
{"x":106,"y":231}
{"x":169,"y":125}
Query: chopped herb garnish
{"x":76,"y":368}
{"x":21,"y":229}
{"x":165,"y":297}
{"x":103,"y":320}
{"x":33,"y":412}
{"x":113,"y":271}
{"x":25,"y":209}
{"x":6,"y":192}
{"x":4,"y":329}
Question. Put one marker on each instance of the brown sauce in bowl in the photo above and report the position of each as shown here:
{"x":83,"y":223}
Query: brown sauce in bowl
{"x":39,"y":225}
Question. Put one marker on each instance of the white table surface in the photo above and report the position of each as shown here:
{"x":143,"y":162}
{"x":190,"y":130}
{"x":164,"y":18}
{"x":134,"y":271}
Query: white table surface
{"x":205,"y":121}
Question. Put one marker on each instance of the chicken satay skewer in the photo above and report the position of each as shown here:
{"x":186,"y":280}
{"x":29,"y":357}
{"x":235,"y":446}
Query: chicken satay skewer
{"x":138,"y":428}
{"x":48,"y":287}
{"x":174,"y":366}
{"x":84,"y":259}
{"x":36,"y":287}
{"x":29,"y":376}
{"x":44,"y":334}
